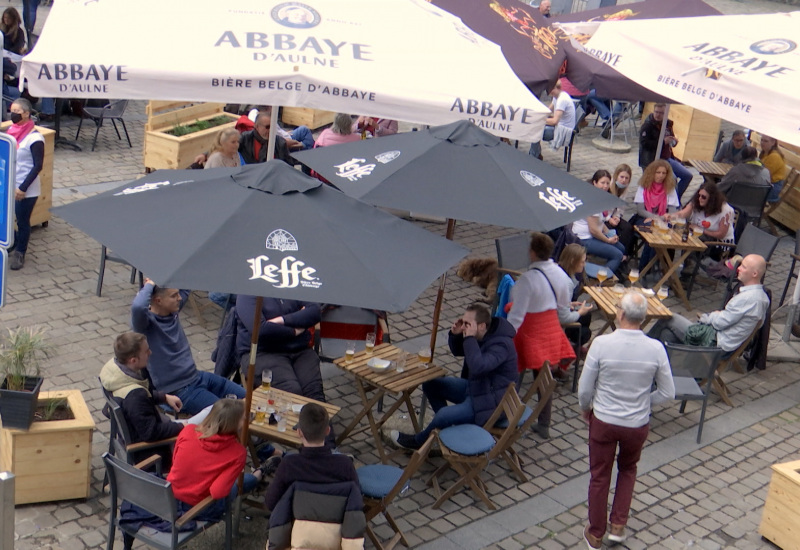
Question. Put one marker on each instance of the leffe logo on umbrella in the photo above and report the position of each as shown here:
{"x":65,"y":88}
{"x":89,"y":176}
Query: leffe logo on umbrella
{"x":291,"y":272}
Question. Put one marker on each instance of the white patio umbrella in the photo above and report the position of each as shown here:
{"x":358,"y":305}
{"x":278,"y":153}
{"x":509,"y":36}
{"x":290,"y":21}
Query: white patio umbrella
{"x":741,"y":68}
{"x":398,"y":59}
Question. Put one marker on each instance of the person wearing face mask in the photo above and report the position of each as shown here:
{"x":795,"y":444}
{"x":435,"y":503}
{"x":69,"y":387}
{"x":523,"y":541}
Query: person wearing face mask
{"x":621,"y":180}
{"x":30,"y":159}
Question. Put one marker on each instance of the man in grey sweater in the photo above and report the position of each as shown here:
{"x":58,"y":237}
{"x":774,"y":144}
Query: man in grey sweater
{"x":154,"y":313}
{"x":615,"y":395}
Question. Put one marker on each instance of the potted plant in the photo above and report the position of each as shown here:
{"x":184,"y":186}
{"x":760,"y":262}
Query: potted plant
{"x":20,"y":354}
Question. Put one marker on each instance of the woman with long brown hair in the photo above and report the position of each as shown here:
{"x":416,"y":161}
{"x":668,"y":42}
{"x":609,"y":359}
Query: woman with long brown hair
{"x":13,"y":35}
{"x":656,"y":195}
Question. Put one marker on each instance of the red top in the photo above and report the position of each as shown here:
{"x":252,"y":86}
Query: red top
{"x":202,"y":467}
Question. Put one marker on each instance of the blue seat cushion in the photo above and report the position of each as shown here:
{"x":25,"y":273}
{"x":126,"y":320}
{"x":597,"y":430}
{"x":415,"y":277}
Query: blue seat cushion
{"x":467,"y":439}
{"x":503,"y":422}
{"x":378,"y":479}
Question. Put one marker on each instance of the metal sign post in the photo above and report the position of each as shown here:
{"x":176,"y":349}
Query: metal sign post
{"x":8,"y":171}
{"x":6,"y":510}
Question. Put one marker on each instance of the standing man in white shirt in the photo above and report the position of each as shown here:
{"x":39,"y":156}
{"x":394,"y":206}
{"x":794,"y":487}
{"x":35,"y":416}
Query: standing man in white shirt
{"x":615,"y":395}
{"x":560,"y":124}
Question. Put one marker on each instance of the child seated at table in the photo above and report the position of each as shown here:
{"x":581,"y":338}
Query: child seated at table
{"x":316,"y":462}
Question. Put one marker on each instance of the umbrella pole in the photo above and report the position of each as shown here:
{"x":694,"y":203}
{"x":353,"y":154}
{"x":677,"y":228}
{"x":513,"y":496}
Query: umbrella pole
{"x":662,"y":134}
{"x":251,"y":372}
{"x":437,"y":309}
{"x":273,"y":127}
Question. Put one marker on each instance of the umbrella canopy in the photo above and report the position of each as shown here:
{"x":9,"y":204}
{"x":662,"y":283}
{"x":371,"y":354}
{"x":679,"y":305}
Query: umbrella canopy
{"x":408,"y":60}
{"x":459,"y":171}
{"x":741,"y":68}
{"x":264,"y":230}
{"x":586,"y":72}
{"x":529,"y":44}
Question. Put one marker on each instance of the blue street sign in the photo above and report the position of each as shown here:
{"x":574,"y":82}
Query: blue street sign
{"x":8,"y":156}
{"x":3,"y":272}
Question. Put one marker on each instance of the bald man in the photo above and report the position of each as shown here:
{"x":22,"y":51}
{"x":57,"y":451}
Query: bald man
{"x":544,"y":8}
{"x":734,"y":324}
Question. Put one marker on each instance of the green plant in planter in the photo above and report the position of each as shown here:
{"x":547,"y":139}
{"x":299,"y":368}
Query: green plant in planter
{"x":21,"y":351}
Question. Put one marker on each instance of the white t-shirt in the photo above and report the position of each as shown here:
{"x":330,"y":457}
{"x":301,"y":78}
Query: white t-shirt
{"x":672,"y":198}
{"x":581,"y":227}
{"x":564,"y":103}
{"x":712,"y":222}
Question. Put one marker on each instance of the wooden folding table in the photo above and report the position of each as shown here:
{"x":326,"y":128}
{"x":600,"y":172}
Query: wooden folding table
{"x":401,"y":384}
{"x":662,"y":243}
{"x":269,"y":431}
{"x":607,"y":300}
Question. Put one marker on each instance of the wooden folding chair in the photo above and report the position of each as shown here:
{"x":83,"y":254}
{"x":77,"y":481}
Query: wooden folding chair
{"x":546,"y":385}
{"x":381,"y":484}
{"x":733,"y":360}
{"x":468,"y":449}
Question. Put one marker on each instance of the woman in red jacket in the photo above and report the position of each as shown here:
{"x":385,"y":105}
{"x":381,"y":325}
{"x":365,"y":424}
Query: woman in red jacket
{"x":208,"y":459}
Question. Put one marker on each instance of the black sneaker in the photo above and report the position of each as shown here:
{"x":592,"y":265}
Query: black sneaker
{"x":16,"y":260}
{"x":405,"y":441}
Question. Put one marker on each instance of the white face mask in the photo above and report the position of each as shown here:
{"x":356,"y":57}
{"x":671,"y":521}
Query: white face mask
{"x":621,"y":185}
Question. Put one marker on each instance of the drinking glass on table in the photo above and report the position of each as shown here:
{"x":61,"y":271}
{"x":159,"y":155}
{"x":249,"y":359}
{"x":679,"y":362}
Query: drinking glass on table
{"x":633,"y":276}
{"x":400,"y":362}
{"x":602,"y":275}
{"x":261,"y":414}
{"x":370,"y":343}
{"x":350,"y":352}
{"x":266,"y":380}
{"x":662,"y":293}
{"x":424,"y":355}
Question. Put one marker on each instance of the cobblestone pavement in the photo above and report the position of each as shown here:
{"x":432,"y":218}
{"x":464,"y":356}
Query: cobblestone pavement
{"x":710,"y":493}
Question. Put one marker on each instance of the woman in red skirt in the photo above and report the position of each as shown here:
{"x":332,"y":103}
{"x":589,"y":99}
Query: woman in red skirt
{"x":541,"y":296}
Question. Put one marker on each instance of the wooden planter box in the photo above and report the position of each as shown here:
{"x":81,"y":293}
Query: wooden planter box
{"x":780,"y":522}
{"x":300,"y":116}
{"x":697,"y":132}
{"x":165,"y":151}
{"x":41,"y":212}
{"x":52,"y":460}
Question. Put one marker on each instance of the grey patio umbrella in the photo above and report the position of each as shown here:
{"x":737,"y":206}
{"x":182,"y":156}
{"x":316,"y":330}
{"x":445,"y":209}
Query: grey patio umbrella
{"x":462,"y":172}
{"x":264,"y":230}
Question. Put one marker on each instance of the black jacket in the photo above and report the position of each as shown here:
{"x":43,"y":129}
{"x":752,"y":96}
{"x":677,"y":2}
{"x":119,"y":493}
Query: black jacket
{"x":272,"y":337}
{"x":648,"y":141}
{"x":490,"y":365}
{"x":247,"y":149}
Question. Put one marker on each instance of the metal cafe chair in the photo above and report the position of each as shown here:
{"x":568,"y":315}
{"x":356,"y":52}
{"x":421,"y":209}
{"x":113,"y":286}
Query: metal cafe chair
{"x":691,"y":367}
{"x":114,"y":112}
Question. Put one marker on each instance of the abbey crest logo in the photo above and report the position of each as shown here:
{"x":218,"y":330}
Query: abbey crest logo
{"x":532,"y":179}
{"x":282,"y":240}
{"x":295,"y":15}
{"x":387,"y":157}
{"x":773,"y":46}
{"x":291,"y":272}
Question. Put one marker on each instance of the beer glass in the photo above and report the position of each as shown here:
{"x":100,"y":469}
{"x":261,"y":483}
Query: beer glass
{"x":602,"y":275}
{"x":424,"y":356}
{"x":266,"y":380}
{"x":633,"y":276}
{"x":370,"y":343}
{"x":261,"y":414}
{"x":350,"y":352}
{"x":662,"y":293}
